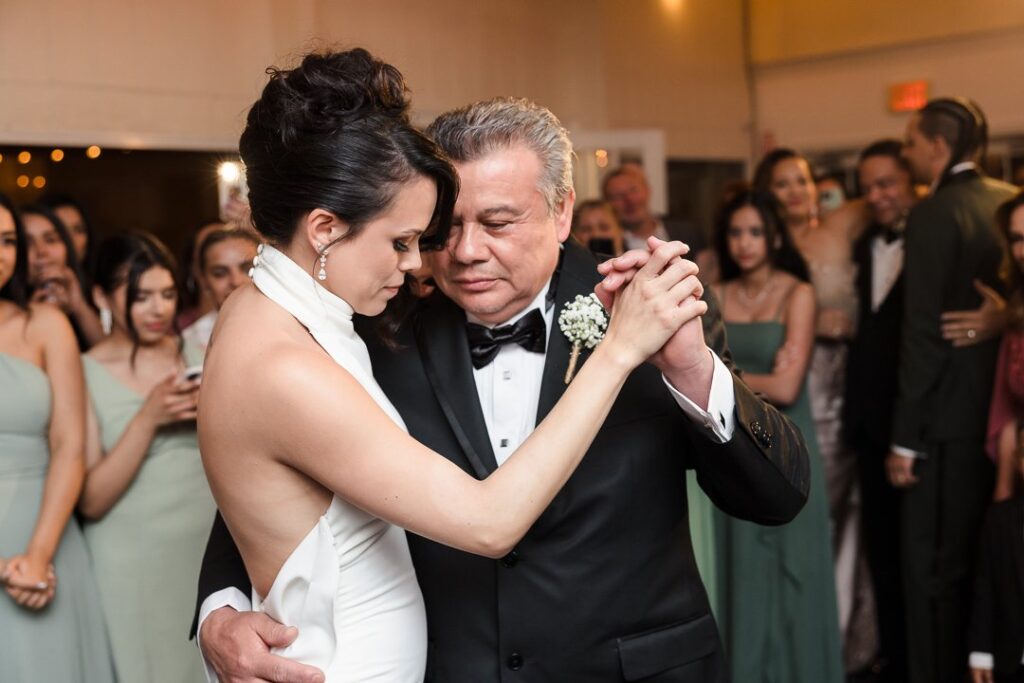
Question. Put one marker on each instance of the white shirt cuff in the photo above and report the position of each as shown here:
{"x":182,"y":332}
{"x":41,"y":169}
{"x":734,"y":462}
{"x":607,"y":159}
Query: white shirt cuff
{"x":981,"y":660}
{"x":905,"y":452}
{"x":719,"y":419}
{"x":226,"y":597}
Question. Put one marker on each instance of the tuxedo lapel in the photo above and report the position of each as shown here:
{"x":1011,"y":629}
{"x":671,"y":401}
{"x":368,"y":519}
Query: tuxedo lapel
{"x":578,"y":275}
{"x":444,"y":349}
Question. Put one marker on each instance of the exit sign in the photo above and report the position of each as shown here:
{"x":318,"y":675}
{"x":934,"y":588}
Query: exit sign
{"x":909,"y":96}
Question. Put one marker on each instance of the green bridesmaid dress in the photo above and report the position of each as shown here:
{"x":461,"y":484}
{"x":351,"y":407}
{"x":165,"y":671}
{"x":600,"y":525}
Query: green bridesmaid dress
{"x":776,"y":590}
{"x":66,"y":640}
{"x":147,"y":550}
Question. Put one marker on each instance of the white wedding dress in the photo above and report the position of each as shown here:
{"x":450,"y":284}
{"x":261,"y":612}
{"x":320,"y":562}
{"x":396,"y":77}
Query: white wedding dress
{"x":349,"y":586}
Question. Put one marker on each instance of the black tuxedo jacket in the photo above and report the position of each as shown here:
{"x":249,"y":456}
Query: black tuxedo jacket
{"x":951,"y":240}
{"x":603,"y":587}
{"x":997,"y":619}
{"x":873,"y":363}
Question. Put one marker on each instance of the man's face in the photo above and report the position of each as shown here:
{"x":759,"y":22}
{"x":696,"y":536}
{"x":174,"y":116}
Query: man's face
{"x":629,"y":195}
{"x":887,"y":188}
{"x":926,"y":156}
{"x":503,"y":246}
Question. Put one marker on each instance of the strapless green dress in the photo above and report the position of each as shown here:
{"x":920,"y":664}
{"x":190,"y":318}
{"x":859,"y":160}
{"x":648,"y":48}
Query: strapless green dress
{"x":148,"y":548}
{"x":775,"y":588}
{"x":67,"y":640}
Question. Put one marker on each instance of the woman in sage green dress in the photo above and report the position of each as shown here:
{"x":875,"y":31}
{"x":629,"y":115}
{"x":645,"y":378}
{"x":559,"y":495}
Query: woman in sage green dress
{"x":146,"y":499}
{"x":775,"y":586}
{"x":51,"y":627}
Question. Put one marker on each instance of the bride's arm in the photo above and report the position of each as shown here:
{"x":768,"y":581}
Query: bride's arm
{"x":351,"y":447}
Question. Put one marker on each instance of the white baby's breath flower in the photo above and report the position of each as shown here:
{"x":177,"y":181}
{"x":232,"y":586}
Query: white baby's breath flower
{"x":583,"y":321}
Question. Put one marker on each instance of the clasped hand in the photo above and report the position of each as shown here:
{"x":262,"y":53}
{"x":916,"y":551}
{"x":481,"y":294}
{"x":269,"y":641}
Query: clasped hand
{"x":685,"y":351}
{"x":29,"y":581}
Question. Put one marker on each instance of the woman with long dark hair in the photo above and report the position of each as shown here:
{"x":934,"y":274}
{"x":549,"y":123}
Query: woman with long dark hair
{"x":826,"y":245}
{"x":51,"y":624}
{"x":146,"y":501}
{"x":55,"y":273}
{"x":776,"y":594}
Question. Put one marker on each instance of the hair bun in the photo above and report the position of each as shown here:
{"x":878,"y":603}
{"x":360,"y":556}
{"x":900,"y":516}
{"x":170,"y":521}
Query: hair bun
{"x":327,"y":91}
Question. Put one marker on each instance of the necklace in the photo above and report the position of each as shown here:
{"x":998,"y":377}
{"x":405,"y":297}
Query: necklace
{"x":751,"y":301}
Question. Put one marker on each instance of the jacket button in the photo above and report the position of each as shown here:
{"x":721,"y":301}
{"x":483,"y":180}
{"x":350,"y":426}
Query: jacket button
{"x":510,"y":560}
{"x":515,"y":661}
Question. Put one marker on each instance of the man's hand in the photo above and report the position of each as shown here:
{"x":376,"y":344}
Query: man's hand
{"x":237,"y":646}
{"x":988,"y":321}
{"x":684,"y":359}
{"x":900,"y":469}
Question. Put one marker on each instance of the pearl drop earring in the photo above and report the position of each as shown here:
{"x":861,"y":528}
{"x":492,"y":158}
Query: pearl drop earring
{"x":322,"y":275}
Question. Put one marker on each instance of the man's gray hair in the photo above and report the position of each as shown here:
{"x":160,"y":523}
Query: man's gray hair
{"x":473,"y":131}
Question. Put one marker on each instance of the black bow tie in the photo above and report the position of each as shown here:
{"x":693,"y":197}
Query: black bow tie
{"x":530,"y":332}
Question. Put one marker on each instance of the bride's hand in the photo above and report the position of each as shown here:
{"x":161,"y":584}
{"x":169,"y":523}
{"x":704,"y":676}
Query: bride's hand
{"x":662,"y":295}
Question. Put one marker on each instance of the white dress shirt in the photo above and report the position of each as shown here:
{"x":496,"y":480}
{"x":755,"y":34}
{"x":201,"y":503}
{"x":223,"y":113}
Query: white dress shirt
{"x":509,"y":392}
{"x":886,"y":266}
{"x":633,"y":241}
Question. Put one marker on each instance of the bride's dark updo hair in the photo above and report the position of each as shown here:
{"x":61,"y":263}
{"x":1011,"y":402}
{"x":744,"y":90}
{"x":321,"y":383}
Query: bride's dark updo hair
{"x":334,"y":133}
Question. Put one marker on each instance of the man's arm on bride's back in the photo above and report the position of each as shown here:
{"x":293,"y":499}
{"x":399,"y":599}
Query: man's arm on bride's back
{"x":222,"y":569}
{"x":236,"y":644}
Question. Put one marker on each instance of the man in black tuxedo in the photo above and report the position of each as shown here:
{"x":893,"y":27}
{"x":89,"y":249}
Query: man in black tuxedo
{"x":941,"y":409}
{"x":888,"y":189}
{"x":604,"y":586}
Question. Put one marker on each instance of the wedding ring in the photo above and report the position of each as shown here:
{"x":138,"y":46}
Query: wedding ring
{"x":971,"y":334}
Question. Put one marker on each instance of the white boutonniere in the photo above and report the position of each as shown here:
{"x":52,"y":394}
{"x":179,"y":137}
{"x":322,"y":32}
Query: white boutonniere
{"x":583,"y":321}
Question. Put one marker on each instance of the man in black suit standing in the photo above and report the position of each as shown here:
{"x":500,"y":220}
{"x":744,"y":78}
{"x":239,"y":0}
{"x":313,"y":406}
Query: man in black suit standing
{"x":604,"y":586}
{"x":940,"y":414}
{"x":888,"y":189}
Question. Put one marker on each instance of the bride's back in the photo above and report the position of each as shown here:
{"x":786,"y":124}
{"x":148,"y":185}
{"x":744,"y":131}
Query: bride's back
{"x":246,"y":475}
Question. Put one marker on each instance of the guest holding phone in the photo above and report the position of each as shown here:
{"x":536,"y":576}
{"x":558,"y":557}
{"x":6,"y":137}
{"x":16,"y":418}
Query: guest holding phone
{"x":146,"y":498}
{"x":595,"y":226}
{"x":55,"y":275}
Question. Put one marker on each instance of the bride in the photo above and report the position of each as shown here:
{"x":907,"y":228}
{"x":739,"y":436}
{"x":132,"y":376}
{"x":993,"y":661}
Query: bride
{"x":310,"y":463}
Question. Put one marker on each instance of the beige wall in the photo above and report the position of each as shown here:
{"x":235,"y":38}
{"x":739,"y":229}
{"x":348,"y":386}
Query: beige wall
{"x":796,"y":29}
{"x":182,"y":74}
{"x":842,"y":101}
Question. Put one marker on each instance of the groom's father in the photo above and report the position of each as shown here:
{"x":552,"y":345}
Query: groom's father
{"x":604,"y":586}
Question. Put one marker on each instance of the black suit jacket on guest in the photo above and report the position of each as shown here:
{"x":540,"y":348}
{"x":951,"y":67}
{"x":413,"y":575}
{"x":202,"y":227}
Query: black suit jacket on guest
{"x":873,"y":362}
{"x":951,"y":240}
{"x":997,"y":618}
{"x":604,"y":586}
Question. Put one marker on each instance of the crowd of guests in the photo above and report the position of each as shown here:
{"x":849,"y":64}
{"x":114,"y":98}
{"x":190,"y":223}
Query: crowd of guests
{"x":889,"y":328}
{"x":104,"y":505}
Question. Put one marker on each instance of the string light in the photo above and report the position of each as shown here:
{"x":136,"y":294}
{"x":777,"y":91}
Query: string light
{"x":93,"y":151}
{"x":39,"y":182}
{"x":57,"y":155}
{"x":24,"y":157}
{"x":23,"y":181}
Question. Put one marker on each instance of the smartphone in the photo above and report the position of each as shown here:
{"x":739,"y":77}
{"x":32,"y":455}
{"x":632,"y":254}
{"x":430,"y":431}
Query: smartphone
{"x":193,"y":373}
{"x":602,"y":246}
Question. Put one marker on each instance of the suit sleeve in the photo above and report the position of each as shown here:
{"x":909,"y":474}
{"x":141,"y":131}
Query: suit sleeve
{"x":762,"y":474}
{"x":931,"y":252}
{"x":222,"y":568}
